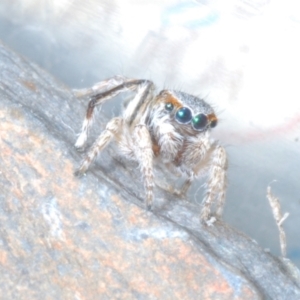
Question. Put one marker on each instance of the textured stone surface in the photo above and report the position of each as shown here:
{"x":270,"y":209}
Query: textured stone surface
{"x":63,"y":237}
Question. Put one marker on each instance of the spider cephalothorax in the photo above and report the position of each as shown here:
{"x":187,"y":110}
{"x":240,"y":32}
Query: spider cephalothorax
{"x":172,"y":126}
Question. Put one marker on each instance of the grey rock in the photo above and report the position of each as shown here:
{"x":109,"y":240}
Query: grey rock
{"x":63,"y":237}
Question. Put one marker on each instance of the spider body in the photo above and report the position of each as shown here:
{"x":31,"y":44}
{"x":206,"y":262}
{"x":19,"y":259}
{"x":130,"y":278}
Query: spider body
{"x":172,"y":127}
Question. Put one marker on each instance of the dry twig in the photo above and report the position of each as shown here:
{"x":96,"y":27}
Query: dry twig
{"x":279,"y":218}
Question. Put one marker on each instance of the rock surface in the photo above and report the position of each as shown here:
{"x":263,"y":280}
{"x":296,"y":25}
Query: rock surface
{"x":63,"y":237}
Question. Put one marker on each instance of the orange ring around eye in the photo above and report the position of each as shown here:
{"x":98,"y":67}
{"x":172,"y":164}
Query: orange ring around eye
{"x":167,"y":97}
{"x":213,"y":120}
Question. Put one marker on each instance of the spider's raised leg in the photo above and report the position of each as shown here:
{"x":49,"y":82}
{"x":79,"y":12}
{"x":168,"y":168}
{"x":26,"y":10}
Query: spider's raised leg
{"x":100,"y":87}
{"x":101,"y":97}
{"x":113,"y":127}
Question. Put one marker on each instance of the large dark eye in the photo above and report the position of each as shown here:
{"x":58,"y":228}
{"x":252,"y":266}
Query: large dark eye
{"x":183,"y":115}
{"x":199,"y":122}
{"x":169,"y":106}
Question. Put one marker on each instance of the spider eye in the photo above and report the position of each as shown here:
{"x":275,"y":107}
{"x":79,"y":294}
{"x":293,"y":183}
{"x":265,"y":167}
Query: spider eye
{"x":213,"y":123}
{"x":169,"y":106}
{"x":199,"y":122}
{"x":183,"y":115}
{"x":213,"y":120}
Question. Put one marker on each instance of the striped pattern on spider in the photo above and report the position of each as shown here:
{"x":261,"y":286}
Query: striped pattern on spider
{"x":172,"y":127}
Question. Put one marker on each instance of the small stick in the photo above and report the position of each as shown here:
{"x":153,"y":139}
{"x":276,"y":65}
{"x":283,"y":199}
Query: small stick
{"x":276,"y":209}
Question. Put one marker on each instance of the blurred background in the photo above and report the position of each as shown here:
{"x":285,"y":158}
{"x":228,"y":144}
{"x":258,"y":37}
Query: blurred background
{"x":241,"y":56}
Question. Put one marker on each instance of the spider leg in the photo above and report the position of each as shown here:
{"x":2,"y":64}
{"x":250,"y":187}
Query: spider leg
{"x":186,"y":186}
{"x":101,"y":97}
{"x":134,"y":117}
{"x":113,"y":127}
{"x":144,"y":155}
{"x":200,"y":170}
{"x":100,"y":87}
{"x":195,"y":160}
{"x":216,"y":184}
{"x":164,"y":185}
{"x":199,"y":158}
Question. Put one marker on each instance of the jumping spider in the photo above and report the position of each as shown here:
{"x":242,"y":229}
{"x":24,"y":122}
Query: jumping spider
{"x":172,"y":127}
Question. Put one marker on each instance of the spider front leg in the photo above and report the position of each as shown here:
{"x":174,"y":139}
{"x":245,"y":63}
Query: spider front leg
{"x":111,"y":130}
{"x":216,"y":184}
{"x":144,"y":154}
{"x":108,"y":89}
{"x":203,"y":157}
{"x":100,"y":87}
{"x":99,"y":93}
